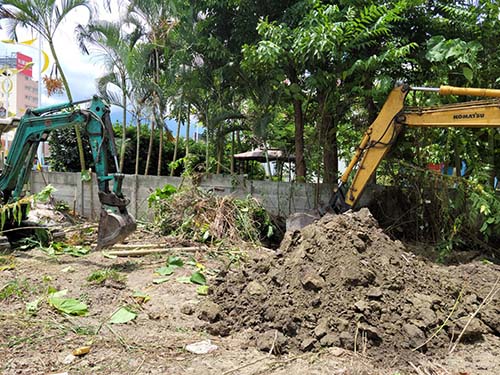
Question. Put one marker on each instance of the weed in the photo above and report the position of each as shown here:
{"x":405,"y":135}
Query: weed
{"x":100,"y":276}
{"x":84,"y":330}
{"x":14,"y":288}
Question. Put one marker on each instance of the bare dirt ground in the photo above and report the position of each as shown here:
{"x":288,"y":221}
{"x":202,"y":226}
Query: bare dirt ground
{"x":371,"y":326}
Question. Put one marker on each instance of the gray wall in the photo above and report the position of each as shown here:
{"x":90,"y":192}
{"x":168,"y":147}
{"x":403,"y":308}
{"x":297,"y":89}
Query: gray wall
{"x":279,"y":198}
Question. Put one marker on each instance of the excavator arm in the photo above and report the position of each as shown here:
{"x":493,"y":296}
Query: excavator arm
{"x":394,"y":116}
{"x":36,"y":125}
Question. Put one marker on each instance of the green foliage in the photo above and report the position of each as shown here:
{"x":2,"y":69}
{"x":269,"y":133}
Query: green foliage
{"x":100,"y":276}
{"x":14,"y":288}
{"x":122,"y":315}
{"x":64,"y":155}
{"x":161,"y":193}
{"x":70,"y":306}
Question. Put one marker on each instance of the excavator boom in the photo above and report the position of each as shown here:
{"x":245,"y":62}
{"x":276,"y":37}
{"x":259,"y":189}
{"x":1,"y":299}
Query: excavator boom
{"x":35,"y":126}
{"x":394,"y":115}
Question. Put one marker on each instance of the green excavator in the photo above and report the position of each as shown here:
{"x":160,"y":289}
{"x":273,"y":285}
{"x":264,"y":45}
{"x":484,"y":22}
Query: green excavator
{"x":115,"y":223}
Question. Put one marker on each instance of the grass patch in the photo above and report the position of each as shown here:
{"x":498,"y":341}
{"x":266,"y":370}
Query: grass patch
{"x":100,"y":276}
{"x":14,"y":288}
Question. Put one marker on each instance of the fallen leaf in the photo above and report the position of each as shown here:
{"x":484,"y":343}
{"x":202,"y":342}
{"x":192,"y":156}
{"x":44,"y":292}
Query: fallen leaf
{"x":82,"y":350}
{"x":123,"y":315}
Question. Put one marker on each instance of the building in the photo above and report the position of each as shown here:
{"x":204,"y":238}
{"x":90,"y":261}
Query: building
{"x":17,"y":91}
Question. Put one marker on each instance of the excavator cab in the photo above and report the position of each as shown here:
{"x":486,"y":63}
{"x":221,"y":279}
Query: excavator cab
{"x":115,"y":222}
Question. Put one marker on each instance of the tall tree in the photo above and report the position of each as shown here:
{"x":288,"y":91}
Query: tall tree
{"x":116,"y":47}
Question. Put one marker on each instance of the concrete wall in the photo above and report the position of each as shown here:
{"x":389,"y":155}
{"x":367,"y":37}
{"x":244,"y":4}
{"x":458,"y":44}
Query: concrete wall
{"x":279,"y":198}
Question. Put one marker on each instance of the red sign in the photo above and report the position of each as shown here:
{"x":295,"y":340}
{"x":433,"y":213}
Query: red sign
{"x":22,"y":61}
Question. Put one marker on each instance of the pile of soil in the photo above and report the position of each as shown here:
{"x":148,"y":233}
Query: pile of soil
{"x":342,"y":282}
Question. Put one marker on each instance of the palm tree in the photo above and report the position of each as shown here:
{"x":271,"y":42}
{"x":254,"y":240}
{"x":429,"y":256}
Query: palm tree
{"x":43,"y":16}
{"x":157,"y":16}
{"x":116,"y":46}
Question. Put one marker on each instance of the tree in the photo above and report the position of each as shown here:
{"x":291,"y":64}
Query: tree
{"x":44,"y":16}
{"x":116,"y":46}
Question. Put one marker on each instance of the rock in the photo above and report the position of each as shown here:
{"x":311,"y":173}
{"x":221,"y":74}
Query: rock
{"x":265,"y":341}
{"x":358,"y":244}
{"x":336,"y":351}
{"x":330,"y":339}
{"x":219,"y":329}
{"x":254,"y":288}
{"x":474,"y":331}
{"x":470,"y":299}
{"x":299,"y":220}
{"x":362,"y":306}
{"x":374,"y":292}
{"x":313,"y":281}
{"x":322,"y":328}
{"x":346,"y":340}
{"x":415,"y":335}
{"x":187,"y":309}
{"x":371,"y":332}
{"x":491,"y":316}
{"x":428,"y":316}
{"x":307,"y":344}
{"x":201,"y":347}
{"x":209,"y":311}
{"x":68,"y":359}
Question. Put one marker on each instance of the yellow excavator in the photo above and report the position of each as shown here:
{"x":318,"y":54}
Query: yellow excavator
{"x":394,"y":116}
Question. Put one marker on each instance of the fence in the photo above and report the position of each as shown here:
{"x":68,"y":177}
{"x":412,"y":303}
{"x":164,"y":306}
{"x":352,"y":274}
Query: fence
{"x":279,"y":198}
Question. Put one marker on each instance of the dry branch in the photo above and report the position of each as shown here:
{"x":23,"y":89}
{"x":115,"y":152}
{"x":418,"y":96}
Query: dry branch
{"x":157,"y":250}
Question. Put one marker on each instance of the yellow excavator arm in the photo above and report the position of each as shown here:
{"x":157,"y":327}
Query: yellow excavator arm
{"x":382,"y":133}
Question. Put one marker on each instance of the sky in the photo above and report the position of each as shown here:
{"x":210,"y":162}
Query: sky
{"x":80,"y":69}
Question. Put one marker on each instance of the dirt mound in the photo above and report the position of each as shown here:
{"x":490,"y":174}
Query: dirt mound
{"x":343,"y":282}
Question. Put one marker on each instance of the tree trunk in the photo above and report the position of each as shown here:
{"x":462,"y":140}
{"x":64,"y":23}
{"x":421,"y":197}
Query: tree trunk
{"x":207,"y":164}
{"x":124,"y":124}
{"x":219,"y":145}
{"x":138,"y":143}
{"x":232,"y":153}
{"x":70,"y":99}
{"x":328,"y":136}
{"x":150,"y":146}
{"x":160,"y":151}
{"x":188,"y":127}
{"x":176,"y":141}
{"x":300,"y":163}
{"x":491,"y":147}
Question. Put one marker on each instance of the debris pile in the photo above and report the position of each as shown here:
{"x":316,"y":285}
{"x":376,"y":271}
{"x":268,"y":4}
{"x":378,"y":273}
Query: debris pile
{"x":204,"y":216}
{"x":342,"y":282}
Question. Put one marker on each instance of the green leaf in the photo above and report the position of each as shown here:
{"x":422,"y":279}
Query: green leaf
{"x":198,"y":278}
{"x":69,"y":306}
{"x":32,"y":307}
{"x":45,"y":194}
{"x":202,"y":290}
{"x":175,"y":261}
{"x":165,"y":271}
{"x":184,"y":280}
{"x":141,"y":296}
{"x":77,"y":251}
{"x":160,"y":280}
{"x":85,"y":175}
{"x":467,"y":73}
{"x":123,"y":315}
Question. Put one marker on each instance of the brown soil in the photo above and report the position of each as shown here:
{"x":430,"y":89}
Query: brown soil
{"x":337,"y":283}
{"x":342,"y":282}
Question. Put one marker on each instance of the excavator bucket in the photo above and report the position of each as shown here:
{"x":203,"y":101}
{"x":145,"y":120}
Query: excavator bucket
{"x":114,"y":227}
